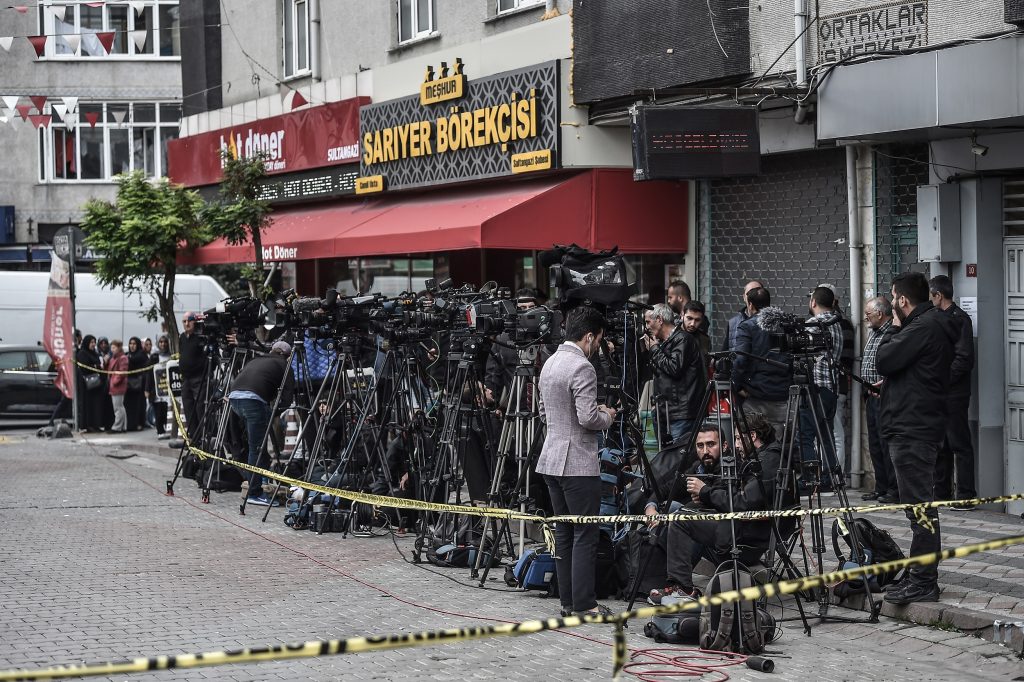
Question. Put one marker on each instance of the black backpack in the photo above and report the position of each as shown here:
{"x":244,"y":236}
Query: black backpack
{"x":878,"y":547}
{"x":721,"y":625}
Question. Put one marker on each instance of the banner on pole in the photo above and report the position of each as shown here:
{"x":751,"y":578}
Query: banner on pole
{"x":57,"y":332}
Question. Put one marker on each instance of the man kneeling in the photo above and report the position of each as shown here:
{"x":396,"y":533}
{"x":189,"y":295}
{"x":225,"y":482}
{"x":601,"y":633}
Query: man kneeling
{"x":687,"y":541}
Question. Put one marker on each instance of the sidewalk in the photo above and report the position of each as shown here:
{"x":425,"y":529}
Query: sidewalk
{"x":977,"y":592}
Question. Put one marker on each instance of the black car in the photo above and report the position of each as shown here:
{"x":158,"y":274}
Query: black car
{"x":27,"y":386}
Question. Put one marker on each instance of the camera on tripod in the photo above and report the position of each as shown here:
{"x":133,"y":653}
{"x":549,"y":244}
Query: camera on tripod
{"x":794,"y":335}
{"x":523,"y":327}
{"x":239,"y":316}
{"x":335,"y":316}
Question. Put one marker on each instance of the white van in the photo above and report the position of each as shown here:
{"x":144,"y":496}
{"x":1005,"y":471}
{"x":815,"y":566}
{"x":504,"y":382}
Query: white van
{"x":101,"y":312}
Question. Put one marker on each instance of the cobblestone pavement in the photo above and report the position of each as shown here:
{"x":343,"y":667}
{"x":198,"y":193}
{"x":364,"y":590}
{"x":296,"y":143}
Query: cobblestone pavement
{"x":98,"y":564}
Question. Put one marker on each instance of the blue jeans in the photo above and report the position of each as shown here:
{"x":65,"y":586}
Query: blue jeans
{"x":808,"y":432}
{"x":256,"y":415}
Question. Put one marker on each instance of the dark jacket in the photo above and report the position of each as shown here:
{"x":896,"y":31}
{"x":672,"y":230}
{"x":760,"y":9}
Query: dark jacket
{"x":191,"y":355}
{"x":915,"y":360}
{"x":847,"y":355}
{"x":730,"y":334}
{"x":262,"y":375}
{"x":679,"y":375}
{"x":755,"y":377}
{"x":963,"y":355}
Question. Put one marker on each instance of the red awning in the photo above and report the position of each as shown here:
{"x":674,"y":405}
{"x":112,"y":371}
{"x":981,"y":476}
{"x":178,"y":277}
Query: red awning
{"x":596,"y":209}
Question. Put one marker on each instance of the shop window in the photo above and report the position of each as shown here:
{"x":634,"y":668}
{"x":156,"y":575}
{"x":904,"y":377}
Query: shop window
{"x":512,"y":5}
{"x":415,"y":19}
{"x":157,"y":19}
{"x":296,"y":37}
{"x":86,"y":152}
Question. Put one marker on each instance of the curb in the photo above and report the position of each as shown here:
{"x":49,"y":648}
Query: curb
{"x":980,"y":624}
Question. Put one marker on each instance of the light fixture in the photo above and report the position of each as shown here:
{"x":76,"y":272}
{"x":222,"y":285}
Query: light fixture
{"x":977,"y":149}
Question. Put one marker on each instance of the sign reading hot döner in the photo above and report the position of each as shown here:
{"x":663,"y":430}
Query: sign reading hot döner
{"x":456,"y":129}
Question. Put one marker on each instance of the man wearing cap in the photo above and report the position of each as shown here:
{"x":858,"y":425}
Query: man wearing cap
{"x":252,"y":393}
{"x":192,"y":366}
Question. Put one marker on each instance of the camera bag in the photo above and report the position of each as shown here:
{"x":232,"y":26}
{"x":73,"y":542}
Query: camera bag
{"x":721,"y":625}
{"x":878,"y":547}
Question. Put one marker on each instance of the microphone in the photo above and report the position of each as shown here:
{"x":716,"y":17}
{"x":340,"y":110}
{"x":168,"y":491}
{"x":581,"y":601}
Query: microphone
{"x":774,"y":320}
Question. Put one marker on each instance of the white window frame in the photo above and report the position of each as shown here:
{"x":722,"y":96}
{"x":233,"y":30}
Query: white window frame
{"x":290,"y":24}
{"x":47,"y":26}
{"x":418,"y":32}
{"x":516,"y":6}
{"x":105,"y":125}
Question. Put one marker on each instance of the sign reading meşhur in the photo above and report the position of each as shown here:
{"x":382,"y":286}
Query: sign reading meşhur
{"x":454,"y":130}
{"x":894,"y":26}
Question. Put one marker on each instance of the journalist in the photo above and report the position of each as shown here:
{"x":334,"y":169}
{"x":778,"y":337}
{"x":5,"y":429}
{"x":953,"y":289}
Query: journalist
{"x":192,"y":367}
{"x":251,"y":396}
{"x":763,"y":386}
{"x":695,"y":322}
{"x":706,"y":490}
{"x":729,"y":341}
{"x":914,"y":356}
{"x":825,"y":327}
{"x":678,"y":367}
{"x":569,"y":460}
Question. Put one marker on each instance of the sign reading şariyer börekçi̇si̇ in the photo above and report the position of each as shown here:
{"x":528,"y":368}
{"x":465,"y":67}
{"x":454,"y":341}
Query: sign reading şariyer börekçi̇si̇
{"x":460,"y":129}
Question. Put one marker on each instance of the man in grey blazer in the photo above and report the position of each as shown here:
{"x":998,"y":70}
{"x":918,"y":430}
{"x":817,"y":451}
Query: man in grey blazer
{"x":569,"y":459}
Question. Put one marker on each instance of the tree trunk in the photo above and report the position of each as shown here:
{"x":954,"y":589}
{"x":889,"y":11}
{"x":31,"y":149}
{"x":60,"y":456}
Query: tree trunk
{"x":166,"y":301}
{"x":257,"y":243}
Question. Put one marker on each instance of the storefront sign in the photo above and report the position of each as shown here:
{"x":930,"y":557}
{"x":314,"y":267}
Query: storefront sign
{"x":320,"y":136}
{"x":462,"y":130}
{"x":370,"y":184}
{"x":893,"y":26}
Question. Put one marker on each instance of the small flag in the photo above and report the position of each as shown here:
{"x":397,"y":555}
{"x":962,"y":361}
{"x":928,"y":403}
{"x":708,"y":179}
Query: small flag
{"x":61,"y":110}
{"x":10,"y":101}
{"x":40,"y":120}
{"x":92,"y":117}
{"x":73,"y":40}
{"x":139,"y":36}
{"x":23,"y":110}
{"x":106,"y":38}
{"x":297,"y":100}
{"x":38,"y":44}
{"x":57,"y":11}
{"x":70,"y":102}
{"x":39,"y":101}
{"x":6,"y":42}
{"x":138,"y":6}
{"x":119,"y":115}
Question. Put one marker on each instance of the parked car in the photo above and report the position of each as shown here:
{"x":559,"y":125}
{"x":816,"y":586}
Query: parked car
{"x":27,"y":382}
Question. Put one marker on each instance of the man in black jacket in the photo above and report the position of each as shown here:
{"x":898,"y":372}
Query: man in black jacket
{"x":192,"y":364}
{"x":957,"y":451}
{"x":763,"y":386}
{"x":914,"y":356}
{"x":686,"y":542}
{"x":678,"y":368}
{"x":252,"y":394}
{"x":729,"y":342}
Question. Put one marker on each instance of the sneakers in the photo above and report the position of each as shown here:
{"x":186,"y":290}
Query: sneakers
{"x":163,"y":436}
{"x":910,"y":592}
{"x":673,"y":594}
{"x":961,"y":506}
{"x":264,"y":501}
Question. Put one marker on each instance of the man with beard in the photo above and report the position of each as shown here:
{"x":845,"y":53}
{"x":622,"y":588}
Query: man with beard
{"x":686,"y":542}
{"x":915,"y":356}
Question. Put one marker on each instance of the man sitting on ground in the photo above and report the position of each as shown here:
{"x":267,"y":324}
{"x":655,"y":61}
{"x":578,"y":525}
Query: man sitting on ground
{"x":686,"y":541}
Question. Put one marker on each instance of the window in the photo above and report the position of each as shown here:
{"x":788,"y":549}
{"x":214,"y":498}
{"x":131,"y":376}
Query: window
{"x":296,"y":38}
{"x":415,"y":19}
{"x":13,"y":361}
{"x":127,"y":136}
{"x":43,"y":361}
{"x":138,"y":33}
{"x":512,"y":5}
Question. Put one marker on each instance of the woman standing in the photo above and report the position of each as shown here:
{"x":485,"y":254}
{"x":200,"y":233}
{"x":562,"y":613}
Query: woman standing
{"x":134,"y":398}
{"x":106,"y":407}
{"x":158,"y":399}
{"x":90,"y":411}
{"x":118,"y":385}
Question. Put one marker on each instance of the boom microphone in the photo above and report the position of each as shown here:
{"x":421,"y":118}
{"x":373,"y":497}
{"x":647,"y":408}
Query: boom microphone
{"x":774,"y":320}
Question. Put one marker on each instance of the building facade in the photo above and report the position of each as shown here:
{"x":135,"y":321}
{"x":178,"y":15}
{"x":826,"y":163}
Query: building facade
{"x":96,"y":92}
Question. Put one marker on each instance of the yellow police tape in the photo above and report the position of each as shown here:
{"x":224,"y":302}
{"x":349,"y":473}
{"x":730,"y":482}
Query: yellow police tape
{"x":918,"y":509}
{"x":354,"y":645}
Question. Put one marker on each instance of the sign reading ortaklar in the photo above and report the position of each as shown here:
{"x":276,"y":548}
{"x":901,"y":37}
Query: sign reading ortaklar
{"x":456,"y":129}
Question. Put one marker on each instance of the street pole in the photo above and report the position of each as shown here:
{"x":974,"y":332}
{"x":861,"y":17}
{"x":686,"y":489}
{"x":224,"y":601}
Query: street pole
{"x":73,"y":374}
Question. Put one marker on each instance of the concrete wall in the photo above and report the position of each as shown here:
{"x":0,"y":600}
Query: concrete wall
{"x":90,"y":79}
{"x":356,"y":35}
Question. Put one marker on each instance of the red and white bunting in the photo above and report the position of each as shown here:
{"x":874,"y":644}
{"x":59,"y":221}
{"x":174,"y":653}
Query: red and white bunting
{"x":106,"y":38}
{"x":6,"y":42}
{"x":92,"y":117}
{"x":70,"y":102}
{"x":38,"y":44}
{"x":61,"y":110}
{"x":71,"y":120}
{"x":38,"y":101}
{"x":293,"y":100}
{"x":138,"y":5}
{"x":94,"y":4}
{"x":23,"y":110}
{"x":20,"y":8}
{"x":57,"y":11}
{"x":40,"y":120}
{"x":119,"y":115}
{"x":10,"y":101}
{"x":139,"y":37}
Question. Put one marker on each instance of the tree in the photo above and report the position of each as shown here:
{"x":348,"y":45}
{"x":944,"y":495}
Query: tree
{"x":139,"y":236}
{"x":241,"y":215}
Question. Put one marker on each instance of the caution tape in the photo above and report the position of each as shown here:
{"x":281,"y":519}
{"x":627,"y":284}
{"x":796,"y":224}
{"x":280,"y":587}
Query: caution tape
{"x":353,"y":645}
{"x":97,"y":370}
{"x":919,"y":509}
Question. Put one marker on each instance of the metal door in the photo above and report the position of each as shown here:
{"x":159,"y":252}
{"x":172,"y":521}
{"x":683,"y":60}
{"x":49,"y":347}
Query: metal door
{"x":1013,"y":267}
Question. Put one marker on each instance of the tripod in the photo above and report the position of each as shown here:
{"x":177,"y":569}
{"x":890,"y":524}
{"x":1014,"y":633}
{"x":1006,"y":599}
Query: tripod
{"x":804,"y":394}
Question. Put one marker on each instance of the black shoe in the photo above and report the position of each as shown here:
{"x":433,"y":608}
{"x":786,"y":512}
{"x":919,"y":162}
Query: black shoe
{"x":911,"y":592}
{"x":566,"y":612}
{"x":962,"y":506}
{"x":599,"y":610}
{"x":868,"y":497}
{"x":889,"y":498}
{"x":892,"y":587}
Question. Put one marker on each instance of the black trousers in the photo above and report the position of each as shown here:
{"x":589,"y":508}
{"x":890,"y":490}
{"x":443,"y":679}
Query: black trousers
{"x":575,"y":543}
{"x":685,"y":540}
{"x":956,"y":454}
{"x":885,"y":475}
{"x":191,"y":403}
{"x":914,"y":462}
